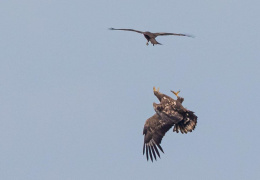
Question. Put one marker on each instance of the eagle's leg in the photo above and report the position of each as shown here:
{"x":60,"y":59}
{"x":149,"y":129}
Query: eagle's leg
{"x":180,"y":99}
{"x":154,"y":89}
{"x":147,"y":43}
{"x":176,"y":93}
{"x":158,"y":94}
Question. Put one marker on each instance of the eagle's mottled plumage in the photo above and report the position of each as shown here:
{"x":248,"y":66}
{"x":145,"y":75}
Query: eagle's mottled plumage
{"x":151,"y":36}
{"x":169,"y":112}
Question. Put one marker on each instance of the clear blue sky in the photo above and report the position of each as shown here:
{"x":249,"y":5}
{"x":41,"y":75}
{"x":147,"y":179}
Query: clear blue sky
{"x":74,"y":96}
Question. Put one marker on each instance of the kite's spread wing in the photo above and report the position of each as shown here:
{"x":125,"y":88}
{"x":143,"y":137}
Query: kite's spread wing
{"x":175,"y":34}
{"x":127,"y":30}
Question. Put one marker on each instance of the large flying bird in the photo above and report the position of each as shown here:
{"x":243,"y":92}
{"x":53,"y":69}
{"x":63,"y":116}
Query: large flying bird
{"x":151,"y":36}
{"x":169,"y":112}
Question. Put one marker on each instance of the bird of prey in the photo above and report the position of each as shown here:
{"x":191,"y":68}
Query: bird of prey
{"x":169,"y":113}
{"x":151,"y":36}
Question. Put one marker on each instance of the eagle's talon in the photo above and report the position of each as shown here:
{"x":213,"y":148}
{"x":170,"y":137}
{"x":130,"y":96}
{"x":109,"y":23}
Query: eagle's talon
{"x":154,"y":89}
{"x":176,"y":93}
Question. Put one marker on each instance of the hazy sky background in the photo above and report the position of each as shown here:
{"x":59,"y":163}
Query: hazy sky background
{"x":74,"y":96}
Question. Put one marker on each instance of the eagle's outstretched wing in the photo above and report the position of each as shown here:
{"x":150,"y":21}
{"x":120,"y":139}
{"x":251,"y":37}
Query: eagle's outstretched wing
{"x":154,"y":130}
{"x":127,"y":30}
{"x":175,"y":34}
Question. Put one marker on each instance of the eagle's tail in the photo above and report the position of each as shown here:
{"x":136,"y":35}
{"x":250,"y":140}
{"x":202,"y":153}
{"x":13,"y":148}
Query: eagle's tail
{"x":188,"y":124}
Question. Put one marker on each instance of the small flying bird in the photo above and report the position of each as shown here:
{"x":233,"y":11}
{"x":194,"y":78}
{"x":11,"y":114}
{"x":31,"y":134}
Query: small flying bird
{"x":151,"y":36}
{"x":169,"y":113}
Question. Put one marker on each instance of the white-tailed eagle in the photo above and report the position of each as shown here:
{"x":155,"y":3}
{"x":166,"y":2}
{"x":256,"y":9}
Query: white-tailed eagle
{"x":169,"y":112}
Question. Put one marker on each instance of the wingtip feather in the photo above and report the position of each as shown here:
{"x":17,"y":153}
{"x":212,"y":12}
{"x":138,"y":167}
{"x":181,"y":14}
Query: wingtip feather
{"x":150,"y":153}
{"x":146,"y":152}
{"x":160,"y":147}
{"x":143,"y":148}
{"x":154,"y":155}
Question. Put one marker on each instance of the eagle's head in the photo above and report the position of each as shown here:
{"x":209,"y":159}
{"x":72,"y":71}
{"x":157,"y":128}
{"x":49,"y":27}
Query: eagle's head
{"x":158,"y":108}
{"x":166,"y":112}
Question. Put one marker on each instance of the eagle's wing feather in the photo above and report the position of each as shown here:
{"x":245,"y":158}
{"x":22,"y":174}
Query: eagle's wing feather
{"x":154,"y":130}
{"x":127,"y":30}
